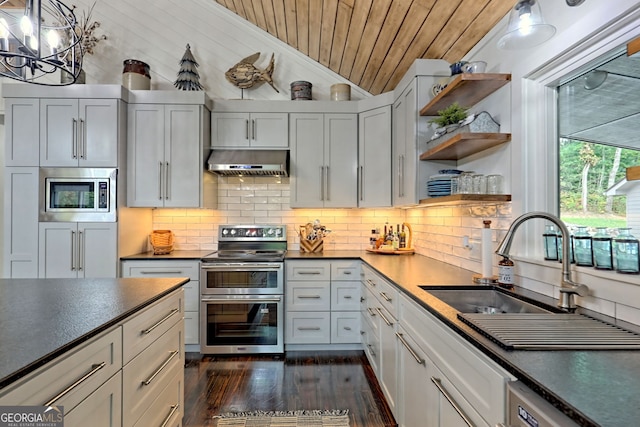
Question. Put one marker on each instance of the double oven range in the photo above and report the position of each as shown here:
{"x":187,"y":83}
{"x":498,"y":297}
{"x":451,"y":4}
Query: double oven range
{"x":241,"y":289}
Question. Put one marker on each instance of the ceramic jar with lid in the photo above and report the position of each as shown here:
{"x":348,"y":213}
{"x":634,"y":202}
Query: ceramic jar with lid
{"x":136,"y":75}
{"x":340,"y":92}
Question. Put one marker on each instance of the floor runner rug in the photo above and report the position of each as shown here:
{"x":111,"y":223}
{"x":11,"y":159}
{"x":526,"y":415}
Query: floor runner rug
{"x":314,"y":418}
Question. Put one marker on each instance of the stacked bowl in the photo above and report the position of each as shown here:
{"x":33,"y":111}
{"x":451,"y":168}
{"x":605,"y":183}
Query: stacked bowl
{"x":440,"y":185}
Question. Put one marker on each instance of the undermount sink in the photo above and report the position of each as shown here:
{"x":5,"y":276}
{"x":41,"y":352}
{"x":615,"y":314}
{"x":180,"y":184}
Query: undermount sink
{"x":485,"y":300}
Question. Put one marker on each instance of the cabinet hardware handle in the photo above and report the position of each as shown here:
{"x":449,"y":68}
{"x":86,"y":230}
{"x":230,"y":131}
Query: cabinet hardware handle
{"x":327,"y":184}
{"x":174,"y":408}
{"x":309,"y":296}
{"x":346,"y":328}
{"x":408,"y":347}
{"x":306,"y":273}
{"x":363,"y":333}
{"x":371,"y":313}
{"x":384,"y":317}
{"x":83,"y":139}
{"x":322,"y":183}
{"x":347,"y":297}
{"x":347,"y":272}
{"x":385,"y":296}
{"x":80,"y":250}
{"x":371,"y":282}
{"x":362,"y":299}
{"x":361,"y":180}
{"x":373,"y":353}
{"x":161,"y":272}
{"x":73,"y":252}
{"x":94,"y":369}
{"x":246,"y":133}
{"x":167,"y":196}
{"x":173,"y":354}
{"x":399,"y":176}
{"x":308,"y":328}
{"x":253,"y":129}
{"x":160,"y":182}
{"x":159,"y":322}
{"x":451,"y":401}
{"x":74,"y":138}
{"x":210,"y":300}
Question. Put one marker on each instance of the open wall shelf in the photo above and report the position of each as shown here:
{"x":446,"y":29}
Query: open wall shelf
{"x":462,"y":145}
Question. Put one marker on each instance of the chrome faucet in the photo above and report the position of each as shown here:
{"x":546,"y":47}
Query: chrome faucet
{"x":567,"y":286}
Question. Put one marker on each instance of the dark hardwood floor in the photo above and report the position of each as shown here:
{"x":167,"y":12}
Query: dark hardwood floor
{"x":299,"y":380}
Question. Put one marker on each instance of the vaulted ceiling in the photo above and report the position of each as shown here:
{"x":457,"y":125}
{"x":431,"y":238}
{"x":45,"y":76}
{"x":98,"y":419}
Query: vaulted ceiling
{"x":372,"y":43}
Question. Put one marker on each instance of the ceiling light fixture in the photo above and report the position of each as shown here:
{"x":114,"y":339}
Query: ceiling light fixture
{"x":526,"y":27}
{"x":575,"y":2}
{"x":39,"y":43}
{"x":595,"y":79}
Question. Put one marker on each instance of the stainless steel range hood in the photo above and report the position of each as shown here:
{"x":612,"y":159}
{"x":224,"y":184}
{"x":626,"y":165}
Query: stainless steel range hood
{"x":249,"y":162}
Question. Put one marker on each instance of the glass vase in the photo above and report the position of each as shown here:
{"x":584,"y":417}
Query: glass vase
{"x":602,"y":249}
{"x":627,"y":256}
{"x":550,"y":237}
{"x":582,"y":247}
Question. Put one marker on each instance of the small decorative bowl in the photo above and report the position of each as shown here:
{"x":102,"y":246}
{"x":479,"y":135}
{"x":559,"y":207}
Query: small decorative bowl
{"x":475,"y":67}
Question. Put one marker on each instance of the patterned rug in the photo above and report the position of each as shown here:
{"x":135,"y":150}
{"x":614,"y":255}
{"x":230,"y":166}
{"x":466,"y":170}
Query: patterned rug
{"x":314,"y":418}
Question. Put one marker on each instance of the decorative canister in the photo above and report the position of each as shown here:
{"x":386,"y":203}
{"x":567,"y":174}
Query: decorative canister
{"x":135,"y":75}
{"x":300,"y":90}
{"x":340,"y":92}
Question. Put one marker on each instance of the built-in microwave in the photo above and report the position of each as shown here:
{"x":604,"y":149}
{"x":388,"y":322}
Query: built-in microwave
{"x":78,"y":194}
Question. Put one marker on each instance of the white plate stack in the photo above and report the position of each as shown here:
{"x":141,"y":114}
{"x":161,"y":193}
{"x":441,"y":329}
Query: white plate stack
{"x":440,"y":185}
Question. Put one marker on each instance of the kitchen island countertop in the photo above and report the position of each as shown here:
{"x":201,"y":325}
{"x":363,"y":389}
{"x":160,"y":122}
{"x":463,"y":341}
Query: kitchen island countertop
{"x":40,"y":319}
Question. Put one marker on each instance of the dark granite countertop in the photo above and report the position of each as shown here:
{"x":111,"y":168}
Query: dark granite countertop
{"x":177,"y":255}
{"x":41,"y":319}
{"x":595,"y":388}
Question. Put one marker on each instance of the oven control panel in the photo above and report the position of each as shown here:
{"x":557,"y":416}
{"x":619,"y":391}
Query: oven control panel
{"x":252,"y":232}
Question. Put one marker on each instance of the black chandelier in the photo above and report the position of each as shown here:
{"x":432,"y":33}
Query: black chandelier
{"x":41,"y":42}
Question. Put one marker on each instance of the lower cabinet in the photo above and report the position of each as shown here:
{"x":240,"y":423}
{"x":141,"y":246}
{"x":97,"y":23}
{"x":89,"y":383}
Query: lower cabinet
{"x":174,"y":268}
{"x":132,"y":374}
{"x":322,"y":302}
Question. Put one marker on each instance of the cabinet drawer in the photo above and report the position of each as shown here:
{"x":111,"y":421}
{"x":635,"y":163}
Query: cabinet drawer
{"x":168,"y":408}
{"x":192,"y":327}
{"x":103,"y":408}
{"x":308,"y":270}
{"x":384,"y":291}
{"x":345,"y":296}
{"x":150,"y":372}
{"x":479,"y":380}
{"x":308,"y":296}
{"x":191,"y":296}
{"x":345,"y":327}
{"x":164,"y":268}
{"x":59,"y":375}
{"x":147,"y":326}
{"x":346,"y":270}
{"x":308,"y":328}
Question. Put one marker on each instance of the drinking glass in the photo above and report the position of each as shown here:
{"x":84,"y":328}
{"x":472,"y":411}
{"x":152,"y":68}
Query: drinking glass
{"x":479,"y":184}
{"x":494,"y":184}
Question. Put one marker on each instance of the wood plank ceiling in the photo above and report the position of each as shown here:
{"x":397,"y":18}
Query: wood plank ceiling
{"x":372,"y":43}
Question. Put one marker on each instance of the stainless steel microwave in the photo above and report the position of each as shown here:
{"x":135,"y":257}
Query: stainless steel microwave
{"x":78,"y":194}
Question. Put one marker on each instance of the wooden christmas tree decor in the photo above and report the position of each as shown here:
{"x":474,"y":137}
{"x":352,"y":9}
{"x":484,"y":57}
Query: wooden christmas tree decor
{"x":188,"y":77}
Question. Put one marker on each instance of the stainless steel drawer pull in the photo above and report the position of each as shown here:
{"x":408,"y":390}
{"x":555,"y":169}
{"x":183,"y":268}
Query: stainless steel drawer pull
{"x":94,"y":369}
{"x":371,"y":282}
{"x":408,"y":347}
{"x":452,"y":402}
{"x":160,"y":322}
{"x":174,"y":408}
{"x":307,"y":273}
{"x":347,"y":328}
{"x":173,"y":354}
{"x":161,"y":272}
{"x":346,"y":273}
{"x":371,"y":313}
{"x":389,"y":323}
{"x":309,"y":296}
{"x":385,"y":296}
{"x":373,"y":353}
{"x":308,"y":328}
{"x":347,"y":297}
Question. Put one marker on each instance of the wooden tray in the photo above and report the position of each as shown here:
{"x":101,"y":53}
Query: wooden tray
{"x":391,"y":252}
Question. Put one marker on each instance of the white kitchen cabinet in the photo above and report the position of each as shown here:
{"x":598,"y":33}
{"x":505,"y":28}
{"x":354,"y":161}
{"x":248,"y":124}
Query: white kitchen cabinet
{"x":165,"y":156}
{"x":102,"y":408}
{"x":79,"y":132}
{"x":324,"y":160}
{"x":22,"y":132}
{"x":374,"y":158}
{"x":412,"y":408}
{"x":82,"y":250}
{"x":174,"y":268}
{"x":404,"y":164}
{"x":20,"y":236}
{"x":249,"y":130}
{"x":322,"y":302}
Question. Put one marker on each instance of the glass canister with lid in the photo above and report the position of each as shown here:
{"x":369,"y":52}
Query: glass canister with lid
{"x":582,"y":247}
{"x":627,"y":254}
{"x":602,"y":249}
{"x":550,"y":238}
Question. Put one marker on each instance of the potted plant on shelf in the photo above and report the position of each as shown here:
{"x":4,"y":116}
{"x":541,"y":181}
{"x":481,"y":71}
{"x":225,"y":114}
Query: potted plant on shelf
{"x":449,"y":118}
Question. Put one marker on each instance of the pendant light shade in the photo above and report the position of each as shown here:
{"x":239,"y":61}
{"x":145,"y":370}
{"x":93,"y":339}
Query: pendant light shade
{"x":526,"y":27}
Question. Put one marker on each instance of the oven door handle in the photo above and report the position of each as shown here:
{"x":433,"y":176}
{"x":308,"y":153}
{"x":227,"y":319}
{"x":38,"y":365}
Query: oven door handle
{"x":241,"y":300}
{"x":243,"y":266}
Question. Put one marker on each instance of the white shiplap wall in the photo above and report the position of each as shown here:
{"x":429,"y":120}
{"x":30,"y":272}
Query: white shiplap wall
{"x":157,"y":31}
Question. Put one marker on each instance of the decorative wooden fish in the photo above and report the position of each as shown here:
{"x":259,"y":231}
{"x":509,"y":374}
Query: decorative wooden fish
{"x":245,"y":75}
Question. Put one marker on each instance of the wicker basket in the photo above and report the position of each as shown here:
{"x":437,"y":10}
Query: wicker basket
{"x":162,"y":241}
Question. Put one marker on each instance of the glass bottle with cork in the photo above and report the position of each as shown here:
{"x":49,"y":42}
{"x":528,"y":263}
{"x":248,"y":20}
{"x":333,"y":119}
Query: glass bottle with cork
{"x":506,"y":273}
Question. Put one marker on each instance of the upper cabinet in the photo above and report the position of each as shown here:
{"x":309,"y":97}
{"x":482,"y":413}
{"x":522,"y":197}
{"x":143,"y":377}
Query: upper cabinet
{"x":324,"y":160}
{"x":22,"y":132}
{"x":404,"y":167}
{"x":79,"y":132}
{"x":250,"y":130}
{"x":374,"y":158}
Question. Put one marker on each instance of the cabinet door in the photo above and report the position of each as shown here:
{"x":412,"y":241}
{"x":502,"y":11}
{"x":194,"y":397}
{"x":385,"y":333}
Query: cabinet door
{"x":341,"y":160}
{"x":183,"y":169}
{"x":145,"y":155}
{"x":230,"y":130}
{"x":20,"y":237}
{"x":413,"y":382}
{"x":404,"y":167}
{"x":58,"y":250}
{"x":450,"y":409}
{"x":374,"y":158}
{"x":388,"y":375}
{"x":307,"y":160}
{"x":269,"y":130}
{"x":58,"y":132}
{"x":22,"y":132}
{"x":98,"y":133}
{"x":103,"y":407}
{"x":98,"y":250}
